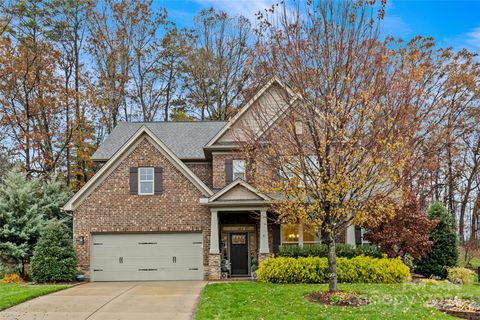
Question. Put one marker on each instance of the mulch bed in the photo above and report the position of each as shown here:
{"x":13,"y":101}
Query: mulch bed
{"x":461,"y":308}
{"x":339,"y":298}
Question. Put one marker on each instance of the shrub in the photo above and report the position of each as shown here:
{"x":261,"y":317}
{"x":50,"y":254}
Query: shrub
{"x":359,"y":269}
{"x":407,"y":232}
{"x":6,"y":269}
{"x":444,"y":252}
{"x":321,"y":250}
{"x":12,"y":278}
{"x":433,"y":281}
{"x":461,"y":275}
{"x":54,"y":258}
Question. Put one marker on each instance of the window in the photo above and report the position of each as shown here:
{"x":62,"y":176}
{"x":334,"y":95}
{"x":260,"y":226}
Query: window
{"x":293,"y":168}
{"x":297,"y":234}
{"x":290,"y":233}
{"x":363,"y":232}
{"x":238,"y":169}
{"x":145,"y":181}
{"x":298,"y":127}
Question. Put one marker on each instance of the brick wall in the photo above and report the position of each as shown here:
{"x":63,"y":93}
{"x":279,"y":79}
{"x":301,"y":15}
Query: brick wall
{"x":218,"y":165}
{"x":110,"y":208}
{"x":203,"y":171}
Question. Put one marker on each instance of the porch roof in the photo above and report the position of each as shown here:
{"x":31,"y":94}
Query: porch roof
{"x":237,"y":194}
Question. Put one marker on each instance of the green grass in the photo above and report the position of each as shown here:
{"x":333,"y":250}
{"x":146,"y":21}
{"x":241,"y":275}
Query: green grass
{"x":250,"y":300}
{"x":12,"y":294}
{"x":474,"y":263}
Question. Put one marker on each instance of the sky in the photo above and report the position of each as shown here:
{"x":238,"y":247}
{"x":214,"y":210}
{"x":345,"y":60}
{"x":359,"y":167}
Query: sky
{"x":451,"y":23}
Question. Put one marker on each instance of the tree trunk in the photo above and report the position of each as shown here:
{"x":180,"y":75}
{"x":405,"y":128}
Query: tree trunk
{"x":332,"y":263}
{"x":451,"y":185}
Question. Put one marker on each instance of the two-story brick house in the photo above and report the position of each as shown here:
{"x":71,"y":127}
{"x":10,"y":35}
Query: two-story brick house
{"x":172,"y":201}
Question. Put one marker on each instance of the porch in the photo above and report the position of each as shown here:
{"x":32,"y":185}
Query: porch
{"x":244,"y":231}
{"x":239,"y":240}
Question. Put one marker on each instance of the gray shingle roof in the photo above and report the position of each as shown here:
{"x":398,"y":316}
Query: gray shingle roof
{"x":185,"y":139}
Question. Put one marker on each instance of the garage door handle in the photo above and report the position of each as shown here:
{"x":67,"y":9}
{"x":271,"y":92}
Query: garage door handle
{"x":120,"y":260}
{"x":174,"y":259}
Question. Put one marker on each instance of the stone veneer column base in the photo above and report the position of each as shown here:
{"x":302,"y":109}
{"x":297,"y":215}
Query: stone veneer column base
{"x":214,"y":266}
{"x":263,"y":256}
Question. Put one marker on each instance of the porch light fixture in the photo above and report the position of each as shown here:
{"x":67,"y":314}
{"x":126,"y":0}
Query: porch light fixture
{"x":81,"y":240}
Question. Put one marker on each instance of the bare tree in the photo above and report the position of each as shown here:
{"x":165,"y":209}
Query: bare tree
{"x":218,"y":63}
{"x":158,"y":52}
{"x":111,"y":29}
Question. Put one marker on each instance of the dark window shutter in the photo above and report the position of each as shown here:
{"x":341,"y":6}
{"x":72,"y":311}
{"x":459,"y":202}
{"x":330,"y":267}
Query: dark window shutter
{"x":133,"y":180}
{"x":275,"y":237}
{"x":228,"y":171}
{"x":158,"y":184}
{"x":358,"y":235}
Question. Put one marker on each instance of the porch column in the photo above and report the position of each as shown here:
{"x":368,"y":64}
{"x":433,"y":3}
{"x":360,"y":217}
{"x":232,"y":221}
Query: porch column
{"x":263,"y":233}
{"x":350,"y":235}
{"x":300,"y":235}
{"x":214,"y":241}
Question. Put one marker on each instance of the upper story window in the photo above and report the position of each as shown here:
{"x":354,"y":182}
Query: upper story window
{"x":238,"y":169}
{"x":146,"y":181}
{"x":298,"y":127}
{"x":305,"y":172}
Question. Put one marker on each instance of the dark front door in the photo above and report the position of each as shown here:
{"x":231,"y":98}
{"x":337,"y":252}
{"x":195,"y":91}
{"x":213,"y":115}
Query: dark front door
{"x":239,"y":253}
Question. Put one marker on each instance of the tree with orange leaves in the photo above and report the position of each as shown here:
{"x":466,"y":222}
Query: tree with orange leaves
{"x":339,"y":145}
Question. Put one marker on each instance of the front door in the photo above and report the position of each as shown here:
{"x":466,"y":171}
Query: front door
{"x":239,"y":254}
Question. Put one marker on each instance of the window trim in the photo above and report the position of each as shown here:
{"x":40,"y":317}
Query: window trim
{"x":244,"y":178}
{"x":140,"y":193}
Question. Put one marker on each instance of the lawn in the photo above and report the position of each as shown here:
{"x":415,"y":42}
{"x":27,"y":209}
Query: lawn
{"x":12,"y":294}
{"x":251,"y":300}
{"x":475,"y":262}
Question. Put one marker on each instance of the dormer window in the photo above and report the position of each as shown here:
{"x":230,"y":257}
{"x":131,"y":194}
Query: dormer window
{"x":146,"y":181}
{"x":238,"y":169}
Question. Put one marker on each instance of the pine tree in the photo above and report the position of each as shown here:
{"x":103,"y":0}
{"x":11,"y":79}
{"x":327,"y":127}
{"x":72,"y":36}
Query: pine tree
{"x":21,"y":220}
{"x":54,"y":258}
{"x":444,"y":253}
{"x":53,"y":196}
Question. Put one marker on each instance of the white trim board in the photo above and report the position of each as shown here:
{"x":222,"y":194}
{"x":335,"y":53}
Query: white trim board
{"x":238,"y":182}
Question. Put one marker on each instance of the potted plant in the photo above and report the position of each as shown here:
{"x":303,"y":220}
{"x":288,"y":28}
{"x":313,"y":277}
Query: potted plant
{"x":224,"y":268}
{"x":254,"y":267}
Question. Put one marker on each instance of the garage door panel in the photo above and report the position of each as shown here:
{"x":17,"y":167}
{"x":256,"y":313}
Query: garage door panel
{"x":135,"y":257}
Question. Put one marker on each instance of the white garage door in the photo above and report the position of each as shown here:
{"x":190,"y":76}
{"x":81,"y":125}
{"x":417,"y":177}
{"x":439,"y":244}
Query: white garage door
{"x":149,"y":256}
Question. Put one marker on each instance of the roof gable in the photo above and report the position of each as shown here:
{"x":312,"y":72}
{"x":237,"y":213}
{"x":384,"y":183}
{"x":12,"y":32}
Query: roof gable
{"x":238,"y":190}
{"x":124,"y":151}
{"x":269,"y":101}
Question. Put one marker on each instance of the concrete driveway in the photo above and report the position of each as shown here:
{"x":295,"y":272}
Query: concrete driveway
{"x":113,"y":300}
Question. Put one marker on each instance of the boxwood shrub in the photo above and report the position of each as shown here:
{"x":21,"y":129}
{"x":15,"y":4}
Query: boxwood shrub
{"x":321,"y":250}
{"x":360,"y":269}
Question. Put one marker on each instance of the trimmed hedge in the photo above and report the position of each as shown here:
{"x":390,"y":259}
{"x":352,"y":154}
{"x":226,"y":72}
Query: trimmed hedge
{"x":359,"y":269}
{"x":321,"y":250}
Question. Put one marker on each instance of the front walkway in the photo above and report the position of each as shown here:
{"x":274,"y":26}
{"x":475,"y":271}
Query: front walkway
{"x":113,"y":300}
